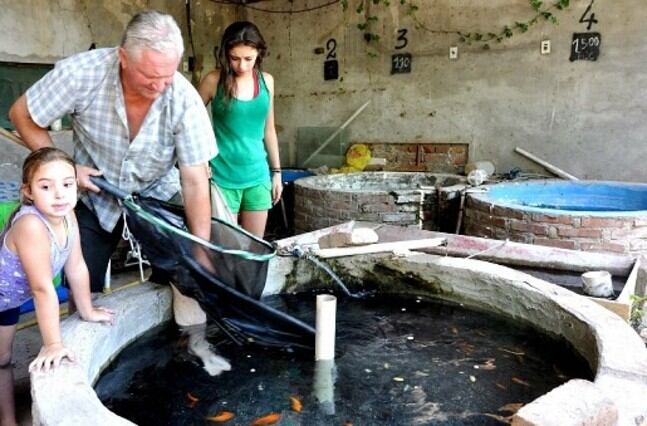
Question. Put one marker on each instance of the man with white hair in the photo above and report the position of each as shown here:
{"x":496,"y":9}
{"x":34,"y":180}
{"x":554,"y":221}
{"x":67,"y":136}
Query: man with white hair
{"x":134,"y":116}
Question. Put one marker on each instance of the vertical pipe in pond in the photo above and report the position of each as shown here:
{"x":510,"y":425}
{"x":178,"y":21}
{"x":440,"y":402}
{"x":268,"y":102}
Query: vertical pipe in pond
{"x":325,"y":327}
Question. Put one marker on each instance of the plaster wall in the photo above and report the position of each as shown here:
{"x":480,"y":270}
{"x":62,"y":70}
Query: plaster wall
{"x":584,"y":117}
{"x":42,"y":31}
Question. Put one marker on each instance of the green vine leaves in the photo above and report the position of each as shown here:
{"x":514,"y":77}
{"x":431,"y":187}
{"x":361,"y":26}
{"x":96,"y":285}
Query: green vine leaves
{"x":543,"y":11}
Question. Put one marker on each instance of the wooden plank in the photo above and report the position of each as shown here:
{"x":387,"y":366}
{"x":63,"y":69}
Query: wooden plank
{"x":378,"y":248}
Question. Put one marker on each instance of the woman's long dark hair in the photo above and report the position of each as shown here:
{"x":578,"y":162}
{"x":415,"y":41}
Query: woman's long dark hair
{"x":239,"y":33}
{"x":29,"y":167}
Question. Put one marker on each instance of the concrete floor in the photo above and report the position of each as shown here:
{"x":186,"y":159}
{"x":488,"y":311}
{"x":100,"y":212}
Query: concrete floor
{"x":28,"y":342}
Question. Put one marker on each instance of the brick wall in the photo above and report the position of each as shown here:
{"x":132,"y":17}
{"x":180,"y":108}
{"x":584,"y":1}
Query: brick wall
{"x":421,"y":157}
{"x":619,"y":234}
{"x":323,"y":201}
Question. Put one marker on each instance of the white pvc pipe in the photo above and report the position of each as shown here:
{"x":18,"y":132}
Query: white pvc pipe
{"x":324,"y":385}
{"x":325,"y":327}
{"x":553,"y":169}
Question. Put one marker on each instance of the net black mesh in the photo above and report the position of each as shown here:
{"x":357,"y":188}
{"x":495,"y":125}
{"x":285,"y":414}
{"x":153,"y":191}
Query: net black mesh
{"x":228,"y":286}
{"x":243,"y":318}
{"x":164,"y":248}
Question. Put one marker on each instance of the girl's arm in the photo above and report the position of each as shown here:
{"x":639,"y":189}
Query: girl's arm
{"x":272,"y":144}
{"x":30,"y":238}
{"x":207,"y":87}
{"x":76,"y":273}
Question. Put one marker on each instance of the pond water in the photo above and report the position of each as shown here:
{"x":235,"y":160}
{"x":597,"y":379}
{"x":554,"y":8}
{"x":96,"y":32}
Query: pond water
{"x":401,"y":360}
{"x":576,"y":196}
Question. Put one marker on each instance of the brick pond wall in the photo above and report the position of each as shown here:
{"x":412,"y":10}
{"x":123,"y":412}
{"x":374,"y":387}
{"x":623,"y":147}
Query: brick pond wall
{"x":422,"y":200}
{"x":619,"y":234}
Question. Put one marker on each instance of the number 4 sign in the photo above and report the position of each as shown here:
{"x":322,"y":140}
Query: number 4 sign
{"x":591,"y":19}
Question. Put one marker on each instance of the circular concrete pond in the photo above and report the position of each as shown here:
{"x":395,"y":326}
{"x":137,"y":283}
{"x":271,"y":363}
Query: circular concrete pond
{"x":611,"y":348}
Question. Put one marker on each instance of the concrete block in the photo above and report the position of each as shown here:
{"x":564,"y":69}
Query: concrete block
{"x":358,"y":236}
{"x":558,"y":407}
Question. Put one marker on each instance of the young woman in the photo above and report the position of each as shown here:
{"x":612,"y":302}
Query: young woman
{"x":247,"y":170}
{"x":40,"y":239}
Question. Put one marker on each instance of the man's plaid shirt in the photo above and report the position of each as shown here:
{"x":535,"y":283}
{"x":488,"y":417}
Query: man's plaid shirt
{"x":176,"y":129}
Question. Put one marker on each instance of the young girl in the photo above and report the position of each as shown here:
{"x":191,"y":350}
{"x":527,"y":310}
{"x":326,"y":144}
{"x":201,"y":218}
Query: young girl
{"x":247,"y":169}
{"x":40,"y":239}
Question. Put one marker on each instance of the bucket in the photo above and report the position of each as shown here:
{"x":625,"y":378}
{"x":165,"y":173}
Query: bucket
{"x":597,"y":283}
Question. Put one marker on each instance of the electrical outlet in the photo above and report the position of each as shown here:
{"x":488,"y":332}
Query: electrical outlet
{"x":453,"y":52}
{"x":185,"y":66}
{"x":545,"y":47}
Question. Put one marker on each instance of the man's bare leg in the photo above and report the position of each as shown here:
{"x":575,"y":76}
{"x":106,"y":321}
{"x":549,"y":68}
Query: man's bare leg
{"x":193,"y":320}
{"x":186,"y":311}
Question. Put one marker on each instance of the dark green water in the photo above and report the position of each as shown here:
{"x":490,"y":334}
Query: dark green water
{"x":400,"y":361}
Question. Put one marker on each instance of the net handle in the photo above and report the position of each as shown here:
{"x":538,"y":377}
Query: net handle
{"x":108,"y":187}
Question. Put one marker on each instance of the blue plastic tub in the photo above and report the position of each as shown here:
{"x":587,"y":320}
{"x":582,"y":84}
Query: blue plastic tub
{"x":290,"y":175}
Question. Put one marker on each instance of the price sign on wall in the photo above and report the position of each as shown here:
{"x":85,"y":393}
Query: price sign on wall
{"x":331,"y":66}
{"x":401,"y":62}
{"x":585,"y":46}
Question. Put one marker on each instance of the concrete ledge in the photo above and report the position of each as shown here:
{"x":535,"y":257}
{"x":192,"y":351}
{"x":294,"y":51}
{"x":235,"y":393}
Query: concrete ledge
{"x":591,"y":407}
{"x":65,"y":396}
{"x":614,"y":351}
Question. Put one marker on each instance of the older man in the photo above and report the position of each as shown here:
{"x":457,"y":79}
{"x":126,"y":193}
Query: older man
{"x":134,"y":117}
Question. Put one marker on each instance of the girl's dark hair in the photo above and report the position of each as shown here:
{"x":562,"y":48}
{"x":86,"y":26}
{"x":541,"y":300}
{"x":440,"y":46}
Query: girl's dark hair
{"x":239,"y":33}
{"x":29,"y":167}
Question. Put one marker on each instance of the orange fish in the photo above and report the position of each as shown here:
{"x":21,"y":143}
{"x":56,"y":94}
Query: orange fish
{"x":268,"y":419}
{"x":191,"y":400}
{"x":296,"y":404}
{"x":221,"y":417}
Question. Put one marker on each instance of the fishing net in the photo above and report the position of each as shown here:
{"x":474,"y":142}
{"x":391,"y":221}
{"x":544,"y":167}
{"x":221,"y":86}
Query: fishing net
{"x":226,"y":274}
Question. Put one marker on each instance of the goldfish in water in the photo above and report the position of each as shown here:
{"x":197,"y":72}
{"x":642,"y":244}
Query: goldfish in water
{"x":296,"y":404}
{"x":268,"y":419}
{"x":221,"y":417}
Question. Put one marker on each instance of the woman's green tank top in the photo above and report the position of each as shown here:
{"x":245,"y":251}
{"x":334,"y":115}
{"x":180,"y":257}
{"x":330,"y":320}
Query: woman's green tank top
{"x":239,"y":127}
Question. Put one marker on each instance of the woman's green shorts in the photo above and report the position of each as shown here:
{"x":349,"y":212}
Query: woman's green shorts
{"x":254,"y":198}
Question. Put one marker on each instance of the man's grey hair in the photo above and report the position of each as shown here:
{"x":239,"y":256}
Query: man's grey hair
{"x":153,"y":30}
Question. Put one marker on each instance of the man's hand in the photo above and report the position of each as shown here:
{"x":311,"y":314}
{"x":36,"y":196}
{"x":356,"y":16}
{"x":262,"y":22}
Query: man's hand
{"x":83,"y":174}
